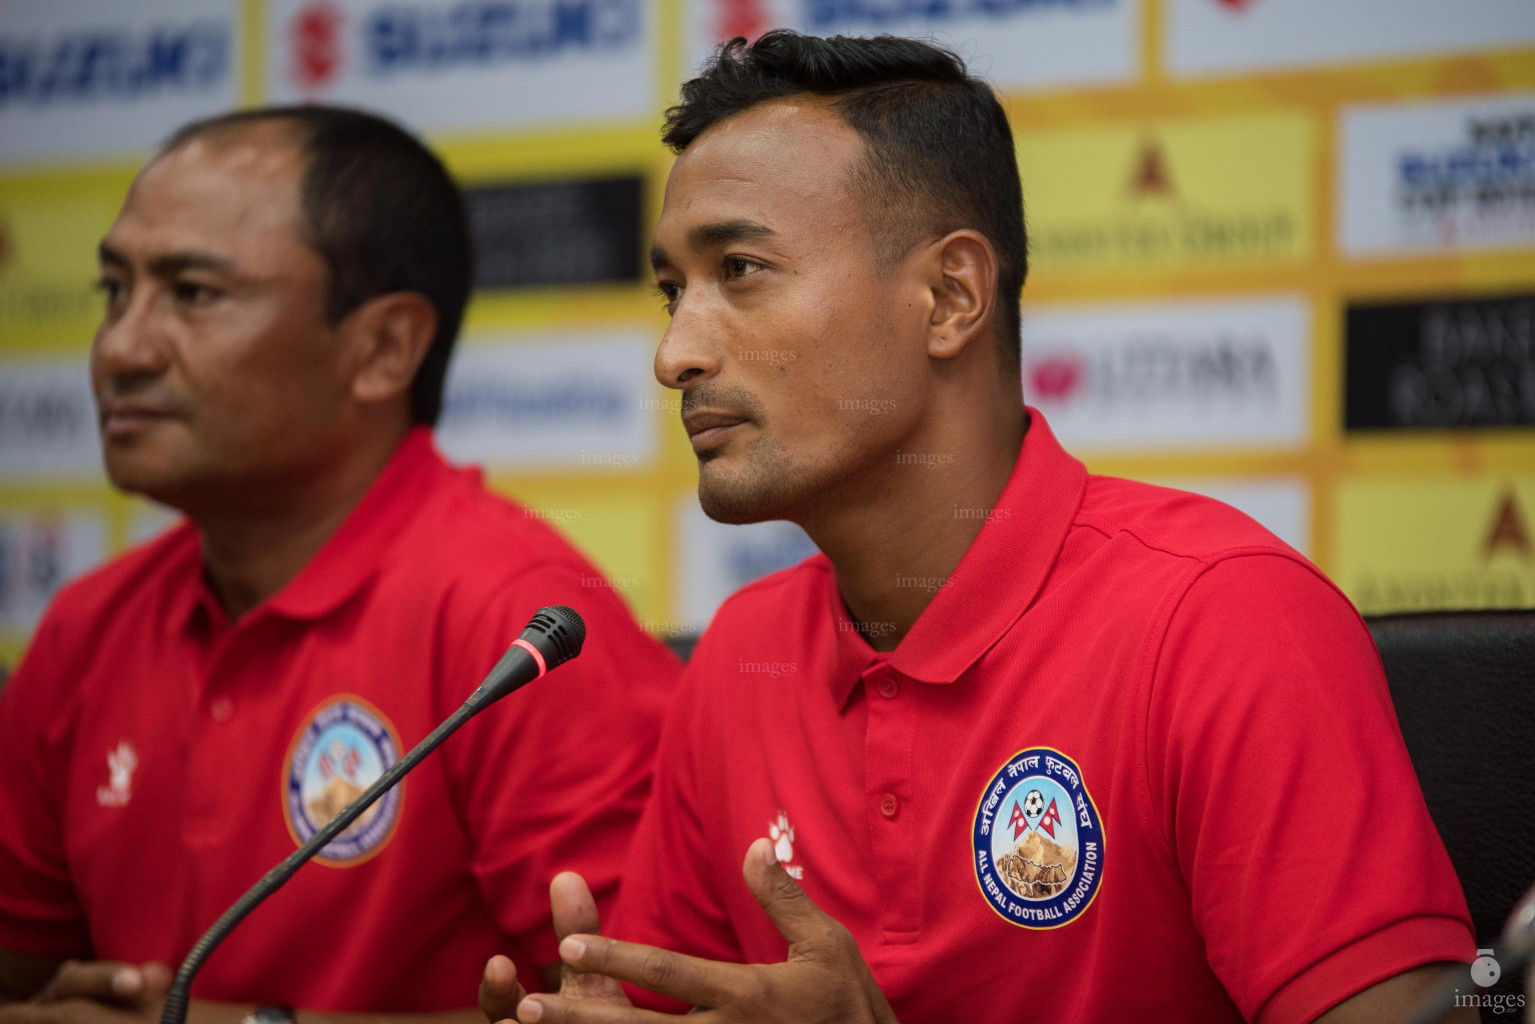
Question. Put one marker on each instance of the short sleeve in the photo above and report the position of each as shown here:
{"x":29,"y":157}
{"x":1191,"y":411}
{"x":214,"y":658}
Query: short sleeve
{"x":554,"y":776}
{"x":1278,"y":770}
{"x":670,"y":894}
{"x":40,"y":913}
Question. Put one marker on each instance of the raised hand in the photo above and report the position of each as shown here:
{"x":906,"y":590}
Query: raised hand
{"x":824,"y":979}
{"x":574,"y":912}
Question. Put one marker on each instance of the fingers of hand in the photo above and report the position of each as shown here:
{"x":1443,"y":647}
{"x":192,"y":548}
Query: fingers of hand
{"x":101,"y":980}
{"x":157,"y":979}
{"x":550,"y":1009}
{"x":500,"y":992}
{"x":701,"y":982}
{"x":807,"y":927}
{"x":574,"y":909}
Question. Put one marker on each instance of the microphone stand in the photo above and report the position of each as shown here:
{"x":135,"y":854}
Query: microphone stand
{"x":551,"y":623}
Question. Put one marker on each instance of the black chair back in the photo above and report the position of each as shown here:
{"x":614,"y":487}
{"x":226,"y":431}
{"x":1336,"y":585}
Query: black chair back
{"x":1464,"y":688}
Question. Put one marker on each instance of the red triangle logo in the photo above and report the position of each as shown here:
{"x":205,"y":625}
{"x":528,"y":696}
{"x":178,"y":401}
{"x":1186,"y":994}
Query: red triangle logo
{"x":1508,"y":528}
{"x":1150,"y":178}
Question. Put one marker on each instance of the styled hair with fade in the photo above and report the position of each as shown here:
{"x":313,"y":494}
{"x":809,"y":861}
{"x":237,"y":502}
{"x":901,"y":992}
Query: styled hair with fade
{"x":939,"y":150}
{"x":382,"y":212}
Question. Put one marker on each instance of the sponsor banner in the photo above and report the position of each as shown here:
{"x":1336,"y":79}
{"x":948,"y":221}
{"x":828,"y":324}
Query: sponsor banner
{"x":1435,"y":544}
{"x":463,"y":65}
{"x":1015,"y":44}
{"x":575,"y":402}
{"x":714,"y":560}
{"x":578,"y":231}
{"x":1201,"y":192}
{"x":49,"y":230}
{"x":1440,"y":364}
{"x":1281,"y":504}
{"x":1438,"y":177}
{"x":39,"y":552}
{"x":97,"y":77}
{"x":1206,"y":375}
{"x":1214,"y":37}
{"x":47,"y":420}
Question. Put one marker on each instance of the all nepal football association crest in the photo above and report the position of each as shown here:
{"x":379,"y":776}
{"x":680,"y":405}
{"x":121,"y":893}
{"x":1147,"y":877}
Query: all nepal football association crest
{"x":1038,"y":840}
{"x":341,"y":749}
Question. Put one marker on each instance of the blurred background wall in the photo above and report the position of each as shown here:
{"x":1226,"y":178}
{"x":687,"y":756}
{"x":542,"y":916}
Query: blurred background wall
{"x":1283,"y":253}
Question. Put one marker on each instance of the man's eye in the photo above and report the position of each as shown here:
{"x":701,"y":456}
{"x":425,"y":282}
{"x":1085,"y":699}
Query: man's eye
{"x":739,"y":266}
{"x":195,"y":294}
{"x":113,"y":290}
{"x":668,"y":291}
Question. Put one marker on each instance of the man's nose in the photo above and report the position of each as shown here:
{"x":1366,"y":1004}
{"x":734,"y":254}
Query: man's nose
{"x":130,"y":344}
{"x":689,"y":352}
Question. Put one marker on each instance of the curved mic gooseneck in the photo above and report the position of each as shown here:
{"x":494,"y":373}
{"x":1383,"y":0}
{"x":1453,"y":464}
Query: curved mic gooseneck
{"x":553,"y":636}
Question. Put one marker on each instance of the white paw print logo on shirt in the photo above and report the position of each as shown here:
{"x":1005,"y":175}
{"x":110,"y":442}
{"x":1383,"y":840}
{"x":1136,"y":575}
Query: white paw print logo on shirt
{"x":782,"y":835}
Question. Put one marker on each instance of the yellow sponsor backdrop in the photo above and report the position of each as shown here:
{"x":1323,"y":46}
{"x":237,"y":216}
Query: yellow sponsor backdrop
{"x":1170,"y":193}
{"x":1467,"y":543}
{"x":1153,"y":189}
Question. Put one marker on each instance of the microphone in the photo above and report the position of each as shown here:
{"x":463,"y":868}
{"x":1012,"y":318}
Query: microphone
{"x":553,"y":636}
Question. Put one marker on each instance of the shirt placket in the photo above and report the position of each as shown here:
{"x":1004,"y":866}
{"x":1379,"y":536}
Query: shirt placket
{"x":890,"y":802}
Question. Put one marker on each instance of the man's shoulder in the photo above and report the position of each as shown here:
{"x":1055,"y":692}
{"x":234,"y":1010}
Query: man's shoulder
{"x":1174,"y":523}
{"x":776,"y":599}
{"x":138,"y":578}
{"x":471,"y":531}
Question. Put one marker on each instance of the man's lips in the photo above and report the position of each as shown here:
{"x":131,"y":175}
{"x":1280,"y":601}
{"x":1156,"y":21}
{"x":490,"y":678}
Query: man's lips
{"x":122,"y":418}
{"x":706,"y":427}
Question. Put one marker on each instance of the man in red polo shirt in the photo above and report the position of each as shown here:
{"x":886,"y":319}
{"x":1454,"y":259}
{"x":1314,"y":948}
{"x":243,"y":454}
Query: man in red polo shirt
{"x":283,"y":289}
{"x":1021,"y":743}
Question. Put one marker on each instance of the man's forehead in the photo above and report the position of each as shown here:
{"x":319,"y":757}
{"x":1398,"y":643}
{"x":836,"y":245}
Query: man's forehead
{"x":229,"y":185}
{"x":794,"y":149}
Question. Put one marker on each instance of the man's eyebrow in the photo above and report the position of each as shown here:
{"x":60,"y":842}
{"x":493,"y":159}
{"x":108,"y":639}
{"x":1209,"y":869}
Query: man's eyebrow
{"x":171,"y":263}
{"x":705,"y":236}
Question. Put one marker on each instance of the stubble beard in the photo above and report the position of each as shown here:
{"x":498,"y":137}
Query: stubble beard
{"x":765,"y":487}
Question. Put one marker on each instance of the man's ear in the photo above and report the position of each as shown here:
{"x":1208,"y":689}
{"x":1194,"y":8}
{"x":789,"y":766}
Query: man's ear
{"x":962,"y":274}
{"x":389,"y":335}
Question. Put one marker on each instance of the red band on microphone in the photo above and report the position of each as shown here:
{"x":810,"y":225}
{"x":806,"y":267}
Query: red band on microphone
{"x":542,"y":668}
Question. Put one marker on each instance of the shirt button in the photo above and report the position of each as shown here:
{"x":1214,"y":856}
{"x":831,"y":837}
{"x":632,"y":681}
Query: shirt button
{"x":889,"y":687}
{"x":889,"y":805}
{"x":221,"y":709}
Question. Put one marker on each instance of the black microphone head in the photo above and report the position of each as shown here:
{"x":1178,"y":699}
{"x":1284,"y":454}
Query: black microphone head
{"x":558,"y":632}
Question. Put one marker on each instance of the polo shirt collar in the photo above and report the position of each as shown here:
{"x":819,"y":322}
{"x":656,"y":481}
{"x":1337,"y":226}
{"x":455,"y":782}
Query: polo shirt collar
{"x":351,"y":557}
{"x":995,"y":582}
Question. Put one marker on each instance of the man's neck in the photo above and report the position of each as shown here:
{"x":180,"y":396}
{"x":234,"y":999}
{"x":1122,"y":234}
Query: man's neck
{"x":249,"y":554}
{"x":895,"y":546}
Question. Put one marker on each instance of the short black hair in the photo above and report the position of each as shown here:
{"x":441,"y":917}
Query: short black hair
{"x":384,"y":214}
{"x":940,"y":153}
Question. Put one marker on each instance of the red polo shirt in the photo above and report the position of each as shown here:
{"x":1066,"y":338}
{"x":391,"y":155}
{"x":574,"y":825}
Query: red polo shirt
{"x":157,"y":759}
{"x":1135,"y":761}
